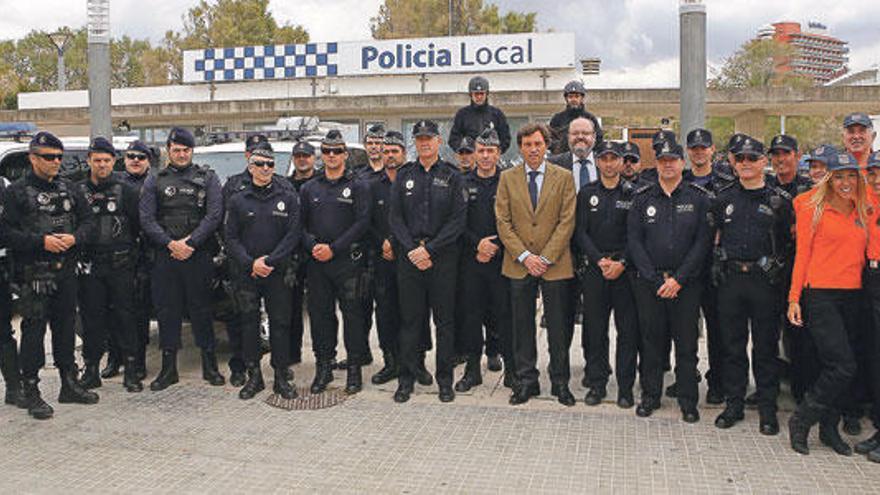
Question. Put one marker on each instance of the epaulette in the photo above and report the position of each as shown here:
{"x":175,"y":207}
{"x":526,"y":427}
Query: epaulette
{"x":702,"y":189}
{"x":725,"y":187}
{"x":645,"y":187}
{"x":781,"y":192}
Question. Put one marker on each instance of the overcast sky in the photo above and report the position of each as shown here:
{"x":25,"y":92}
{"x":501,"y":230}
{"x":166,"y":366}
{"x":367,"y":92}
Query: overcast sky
{"x":637,"y":40}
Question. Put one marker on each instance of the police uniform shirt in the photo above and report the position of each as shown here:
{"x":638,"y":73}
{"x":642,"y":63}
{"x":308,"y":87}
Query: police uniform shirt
{"x":263,"y":221}
{"x":299,"y":182}
{"x":601,"y":219}
{"x":428,"y":205}
{"x":380,"y":193}
{"x":335,"y":212}
{"x":242,"y":180}
{"x":115,"y":207}
{"x":669,"y":233}
{"x":711,"y":182}
{"x":799,"y":185}
{"x":31,"y":198}
{"x":151,"y":199}
{"x":132,"y":180}
{"x":473,"y":119}
{"x":367,"y":173}
{"x":481,"y":223}
{"x":753,"y":222}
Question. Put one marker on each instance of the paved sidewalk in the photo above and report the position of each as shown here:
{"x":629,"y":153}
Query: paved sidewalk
{"x":197,"y":438}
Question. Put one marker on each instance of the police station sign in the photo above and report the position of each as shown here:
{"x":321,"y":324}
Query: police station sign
{"x":370,"y":58}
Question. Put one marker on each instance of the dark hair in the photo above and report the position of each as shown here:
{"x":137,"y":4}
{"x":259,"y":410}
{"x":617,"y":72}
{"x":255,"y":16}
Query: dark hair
{"x":530,"y":128}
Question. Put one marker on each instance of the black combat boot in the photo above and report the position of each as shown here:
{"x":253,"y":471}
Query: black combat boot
{"x":254,"y":384}
{"x":71,"y":391}
{"x":354,"y":382}
{"x":31,"y":400}
{"x":802,"y":420}
{"x":472,"y":376}
{"x":9,"y":369}
{"x":210,"y":373}
{"x":237,"y":378}
{"x":830,"y":435}
{"x":323,"y":377}
{"x":130,"y":379}
{"x":90,"y":378}
{"x":141,"y":363}
{"x":423,"y":376}
{"x":114,"y":362}
{"x":282,"y":387}
{"x":388,"y":372}
{"x":168,"y":375}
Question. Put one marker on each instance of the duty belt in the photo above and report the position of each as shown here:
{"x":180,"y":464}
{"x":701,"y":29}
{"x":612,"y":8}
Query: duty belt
{"x":743,"y":266}
{"x":109,"y":257}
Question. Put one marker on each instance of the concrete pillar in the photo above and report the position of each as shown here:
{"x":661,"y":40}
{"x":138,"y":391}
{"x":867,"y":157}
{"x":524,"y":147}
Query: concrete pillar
{"x":692,"y":64}
{"x":751,"y":122}
{"x":99,"y":68}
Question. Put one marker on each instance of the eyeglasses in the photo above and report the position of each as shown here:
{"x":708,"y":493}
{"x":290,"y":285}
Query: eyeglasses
{"x":136,"y":156}
{"x":264,"y":164}
{"x":332,"y":151}
{"x":50,"y":157}
{"x":630,"y":159}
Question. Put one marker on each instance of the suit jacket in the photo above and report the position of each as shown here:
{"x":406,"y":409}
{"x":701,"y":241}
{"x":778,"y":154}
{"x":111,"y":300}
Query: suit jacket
{"x":564,"y":160}
{"x":545,"y":231}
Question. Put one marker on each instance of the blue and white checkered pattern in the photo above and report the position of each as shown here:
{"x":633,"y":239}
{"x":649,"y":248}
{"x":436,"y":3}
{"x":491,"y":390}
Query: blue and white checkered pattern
{"x":267,"y":62}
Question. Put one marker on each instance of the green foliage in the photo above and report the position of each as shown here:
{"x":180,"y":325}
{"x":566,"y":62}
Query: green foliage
{"x":756,"y":65}
{"x":427,"y":18}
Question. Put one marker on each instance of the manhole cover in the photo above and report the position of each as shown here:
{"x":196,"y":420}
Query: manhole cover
{"x":308,"y":401}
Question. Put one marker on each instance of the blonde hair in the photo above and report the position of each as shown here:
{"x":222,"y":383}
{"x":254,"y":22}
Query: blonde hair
{"x":823,"y":194}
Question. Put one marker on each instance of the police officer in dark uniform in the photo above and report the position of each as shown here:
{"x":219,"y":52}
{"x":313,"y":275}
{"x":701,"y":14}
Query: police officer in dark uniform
{"x":632,"y":158}
{"x":261,"y":231}
{"x":668,"y":240}
{"x":600,"y":235}
{"x":8,"y":346}
{"x":464,"y":155}
{"x":784,"y":158}
{"x":374,"y":140}
{"x":428,"y":214}
{"x":474,"y":118}
{"x":484,"y":291}
{"x":44,"y":222}
{"x":138,"y":157}
{"x":303,"y":159}
{"x":181,"y":208}
{"x":335,"y":219}
{"x":657,"y":141}
{"x":753,"y":224}
{"x":106,"y":268}
{"x":575,"y":95}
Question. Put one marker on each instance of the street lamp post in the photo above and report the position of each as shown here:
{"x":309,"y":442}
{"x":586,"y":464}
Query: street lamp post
{"x":59,"y":39}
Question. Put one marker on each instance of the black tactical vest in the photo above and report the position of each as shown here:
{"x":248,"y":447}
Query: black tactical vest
{"x":182,"y":200}
{"x":50,"y":212}
{"x":113,"y":227}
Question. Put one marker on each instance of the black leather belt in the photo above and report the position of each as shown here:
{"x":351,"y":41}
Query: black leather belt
{"x":743,"y":266}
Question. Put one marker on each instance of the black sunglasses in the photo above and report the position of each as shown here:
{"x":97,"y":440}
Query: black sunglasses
{"x":332,"y":151}
{"x":50,"y":157}
{"x":136,"y":156}
{"x":630,"y":159}
{"x":266,"y":164}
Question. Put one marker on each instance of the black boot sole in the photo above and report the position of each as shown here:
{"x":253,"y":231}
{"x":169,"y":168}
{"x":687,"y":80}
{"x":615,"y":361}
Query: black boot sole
{"x":158,"y":386}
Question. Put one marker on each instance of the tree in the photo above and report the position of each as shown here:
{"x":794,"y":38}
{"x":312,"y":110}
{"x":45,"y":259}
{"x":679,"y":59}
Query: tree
{"x":757,"y":64}
{"x":428,"y":18}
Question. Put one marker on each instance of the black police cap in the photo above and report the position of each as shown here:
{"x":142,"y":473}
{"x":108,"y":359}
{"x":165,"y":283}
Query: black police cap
{"x":858,"y":118}
{"x":394,"y":138}
{"x":489,"y":137}
{"x":303,"y":148}
{"x":750,"y":147}
{"x":181,"y":136}
{"x":660,"y":137}
{"x":376,"y":131}
{"x":425,"y":128}
{"x":630,"y":150}
{"x":669,"y":150}
{"x":45,"y":139}
{"x":466,"y":146}
{"x":254,"y":140}
{"x":478,"y":83}
{"x":262,"y":146}
{"x":784,"y":143}
{"x":606,"y":147}
{"x":699,"y":138}
{"x":102,"y":145}
{"x":333,"y":138}
{"x":140,"y":147}
{"x":735,"y":141}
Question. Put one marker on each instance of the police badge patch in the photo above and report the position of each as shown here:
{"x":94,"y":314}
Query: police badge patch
{"x":66,"y":205}
{"x":111,"y":206}
{"x":43,"y":198}
{"x":346,"y":192}
{"x":281,"y":206}
{"x":729,"y":210}
{"x":651,"y":211}
{"x":594,"y":200}
{"x":410,"y":184}
{"x":170,"y":191}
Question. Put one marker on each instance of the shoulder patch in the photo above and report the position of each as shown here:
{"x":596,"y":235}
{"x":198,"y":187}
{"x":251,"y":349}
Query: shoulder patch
{"x":725,"y":187}
{"x":782,"y":192}
{"x":643,"y":188}
{"x":702,"y":189}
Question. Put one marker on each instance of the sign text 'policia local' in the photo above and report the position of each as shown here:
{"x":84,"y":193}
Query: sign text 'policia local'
{"x":369,"y":58}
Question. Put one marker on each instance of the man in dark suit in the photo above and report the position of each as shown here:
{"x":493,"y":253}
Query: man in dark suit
{"x":579,"y":161}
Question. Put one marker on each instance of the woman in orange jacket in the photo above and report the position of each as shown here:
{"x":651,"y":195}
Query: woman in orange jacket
{"x":832,"y":236}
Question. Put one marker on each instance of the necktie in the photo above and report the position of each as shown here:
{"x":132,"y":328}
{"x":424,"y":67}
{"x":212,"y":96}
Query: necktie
{"x":533,"y":188}
{"x":585,"y":173}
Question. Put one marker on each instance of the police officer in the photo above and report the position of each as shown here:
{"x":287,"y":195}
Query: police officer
{"x":668,"y":240}
{"x":44,"y":221}
{"x":754,"y":245}
{"x":464,"y":155}
{"x":700,"y":150}
{"x":484,"y":291}
{"x":575,"y":95}
{"x":472,"y":119}
{"x":106,"y":267}
{"x":303,"y":159}
{"x":8,"y":346}
{"x":262,"y":230}
{"x":180,"y":210}
{"x":600,"y":235}
{"x":784,"y":158}
{"x":374,"y":141}
{"x":335,"y":218}
{"x":428,"y":214}
{"x":649,"y":172}
{"x":138,"y":157}
{"x":632,"y":162}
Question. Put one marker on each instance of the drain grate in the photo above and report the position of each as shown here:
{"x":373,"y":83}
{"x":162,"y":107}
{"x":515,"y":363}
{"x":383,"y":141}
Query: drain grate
{"x":308,"y":401}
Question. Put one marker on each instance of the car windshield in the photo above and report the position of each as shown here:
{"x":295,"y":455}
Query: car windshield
{"x":226,"y":163}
